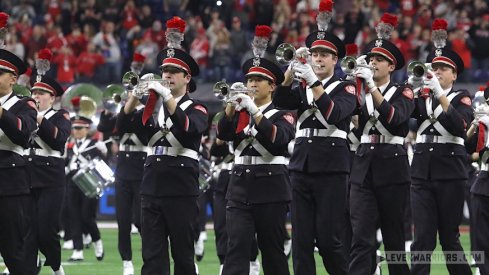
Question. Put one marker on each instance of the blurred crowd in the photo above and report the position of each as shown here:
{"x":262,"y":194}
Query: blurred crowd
{"x":94,"y":41}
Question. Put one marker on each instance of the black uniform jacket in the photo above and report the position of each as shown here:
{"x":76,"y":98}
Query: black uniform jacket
{"x":49,"y":171}
{"x":443,"y":161}
{"x":17,"y":124}
{"x":320,"y":154}
{"x":387,"y":163}
{"x":171,"y":176}
{"x":262,"y":183}
{"x":130,"y":164}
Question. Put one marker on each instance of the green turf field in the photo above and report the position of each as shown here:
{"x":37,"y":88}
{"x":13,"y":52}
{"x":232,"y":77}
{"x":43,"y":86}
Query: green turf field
{"x":112,"y":263}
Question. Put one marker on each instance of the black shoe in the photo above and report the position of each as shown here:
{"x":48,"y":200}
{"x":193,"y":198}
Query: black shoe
{"x":101,"y":257}
{"x":199,"y":257}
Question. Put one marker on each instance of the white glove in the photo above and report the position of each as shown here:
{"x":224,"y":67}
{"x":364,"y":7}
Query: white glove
{"x":415,"y":81}
{"x":484,"y":120}
{"x":367,"y":75}
{"x":305,"y":72}
{"x":163,"y":91}
{"x":362,"y":60}
{"x":302,"y":53}
{"x":431,"y":82}
{"x":245,"y":102}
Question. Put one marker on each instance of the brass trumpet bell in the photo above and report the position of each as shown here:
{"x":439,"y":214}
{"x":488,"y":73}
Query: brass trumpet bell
{"x":417,"y":69}
{"x":348,"y":64}
{"x":285,"y":53}
{"x":130,"y":80}
{"x":113,"y":97}
{"x":221,"y":90}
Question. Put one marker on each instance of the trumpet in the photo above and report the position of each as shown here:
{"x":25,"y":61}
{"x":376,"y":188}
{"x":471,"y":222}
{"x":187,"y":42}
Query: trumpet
{"x":349,"y":65}
{"x":225,"y":93}
{"x":285,"y":53}
{"x":139,"y":86}
{"x":418,"y":69}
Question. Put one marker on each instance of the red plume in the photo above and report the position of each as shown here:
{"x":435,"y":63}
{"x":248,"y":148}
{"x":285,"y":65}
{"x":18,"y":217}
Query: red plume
{"x":263,"y":31}
{"x":3,"y":19}
{"x":75,"y":101}
{"x":439,"y":24}
{"x":351,"y":49}
{"x":326,"y":5}
{"x":481,"y":88}
{"x":137,"y":57}
{"x":176,"y":23}
{"x":389,"y":19}
{"x":28,"y":72}
{"x":45,"y":54}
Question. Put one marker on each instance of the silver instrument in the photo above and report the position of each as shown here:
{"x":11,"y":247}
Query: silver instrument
{"x":480,"y":105}
{"x":93,"y":179}
{"x":225,"y":93}
{"x":285,"y":53}
{"x":139,"y":86}
{"x":417,"y":70}
{"x":349,"y":65}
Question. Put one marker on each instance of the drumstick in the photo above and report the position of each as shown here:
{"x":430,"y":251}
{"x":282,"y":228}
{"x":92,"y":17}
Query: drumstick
{"x":93,"y":146}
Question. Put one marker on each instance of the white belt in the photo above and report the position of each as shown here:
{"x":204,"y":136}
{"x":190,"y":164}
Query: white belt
{"x":312,"y":132}
{"x":43,"y":153}
{"x":225,"y":166}
{"x":382,"y":139}
{"x":256,"y":160}
{"x":174,"y":152}
{"x":439,"y":139}
{"x":133,"y":148}
{"x":484,"y":167}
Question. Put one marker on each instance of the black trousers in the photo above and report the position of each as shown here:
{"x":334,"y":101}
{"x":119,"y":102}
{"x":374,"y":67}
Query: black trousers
{"x":267,"y":221}
{"x":369,"y":207}
{"x":163,"y":218}
{"x":480,"y":212}
{"x":318,"y":214}
{"x":219,"y":217}
{"x":83,"y":211}
{"x":127,"y":198}
{"x":437,"y":207}
{"x":14,"y":214}
{"x":44,"y":227}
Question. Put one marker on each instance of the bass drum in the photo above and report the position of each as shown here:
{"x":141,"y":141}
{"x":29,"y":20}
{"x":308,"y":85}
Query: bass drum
{"x":92,"y":180}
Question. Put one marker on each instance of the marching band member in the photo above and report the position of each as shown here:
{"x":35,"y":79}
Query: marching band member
{"x":380,"y":173}
{"x":170,"y":185}
{"x":438,"y":169}
{"x":17,"y":123}
{"x":258,"y":192}
{"x":47,"y":173}
{"x":477,"y":141}
{"x":221,"y":152}
{"x":319,"y":187}
{"x":128,"y":174}
{"x":80,"y":151}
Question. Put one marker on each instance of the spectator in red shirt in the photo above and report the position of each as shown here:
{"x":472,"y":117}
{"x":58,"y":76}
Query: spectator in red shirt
{"x":66,"y":63}
{"x":459,"y":45}
{"x":87,"y":63}
{"x":157,"y":34}
{"x":129,"y":15}
{"x":77,"y":41}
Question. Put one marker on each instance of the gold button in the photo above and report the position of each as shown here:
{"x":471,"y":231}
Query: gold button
{"x":309,"y":141}
{"x":247,"y":170}
{"x":371,"y":147}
